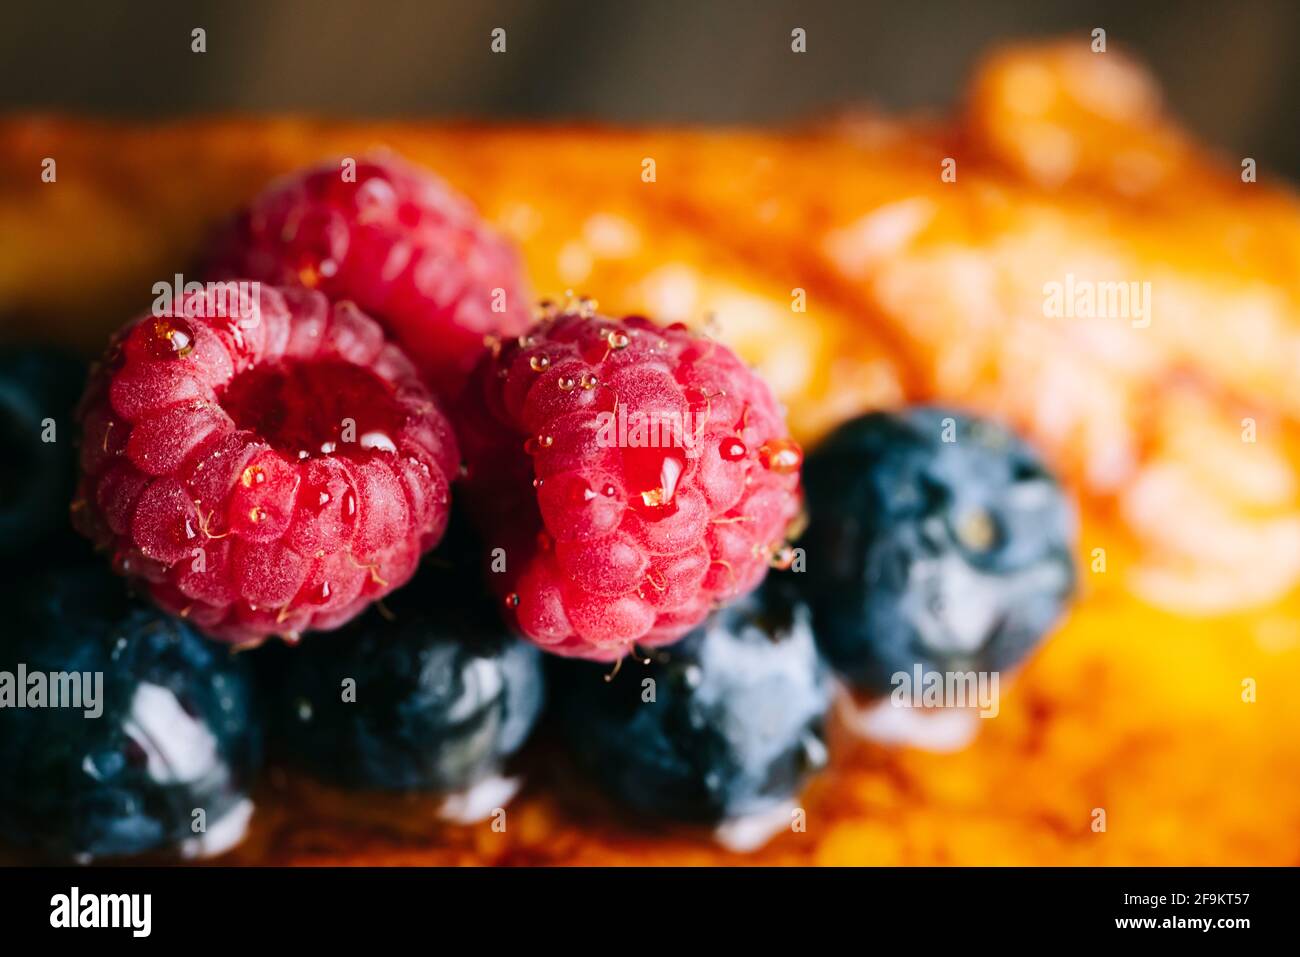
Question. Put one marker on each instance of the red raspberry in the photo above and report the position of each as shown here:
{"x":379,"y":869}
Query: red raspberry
{"x":399,"y":243}
{"x":637,"y":477}
{"x":265,"y":474}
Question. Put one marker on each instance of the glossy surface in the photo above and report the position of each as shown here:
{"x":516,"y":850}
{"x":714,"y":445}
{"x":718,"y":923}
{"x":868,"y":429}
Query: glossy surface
{"x":934,"y":540}
{"x":435,"y":700}
{"x":164,"y":767}
{"x":917,"y":290}
{"x":729,"y":722}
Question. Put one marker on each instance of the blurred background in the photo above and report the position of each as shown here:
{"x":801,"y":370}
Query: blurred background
{"x":630,"y":61}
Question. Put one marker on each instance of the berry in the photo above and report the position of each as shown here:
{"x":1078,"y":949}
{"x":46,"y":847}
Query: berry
{"x":441,"y":696}
{"x":397,"y":241}
{"x":935,"y":540}
{"x":728,"y":724}
{"x":636,"y":478}
{"x":173,"y":735}
{"x":38,"y":390}
{"x":262,"y":475}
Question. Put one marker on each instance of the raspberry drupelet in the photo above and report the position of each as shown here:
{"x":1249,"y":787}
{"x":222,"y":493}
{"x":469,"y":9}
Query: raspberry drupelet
{"x":397,"y":241}
{"x":270,"y":473}
{"x":634,"y":476}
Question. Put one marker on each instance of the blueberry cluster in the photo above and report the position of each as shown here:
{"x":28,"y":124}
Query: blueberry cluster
{"x":934,"y":540}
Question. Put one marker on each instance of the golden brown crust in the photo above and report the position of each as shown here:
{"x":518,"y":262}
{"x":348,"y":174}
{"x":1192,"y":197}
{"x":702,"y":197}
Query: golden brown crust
{"x":916,"y":289}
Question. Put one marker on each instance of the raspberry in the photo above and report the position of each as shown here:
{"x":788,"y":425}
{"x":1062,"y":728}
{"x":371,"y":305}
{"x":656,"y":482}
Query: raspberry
{"x":637,"y":477}
{"x":266,"y":474}
{"x":398,"y":242}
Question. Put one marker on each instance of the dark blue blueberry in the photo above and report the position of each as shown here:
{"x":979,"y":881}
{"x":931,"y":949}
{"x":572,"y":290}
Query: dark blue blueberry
{"x":935,"y":539}
{"x":726,"y":723}
{"x":38,"y":390}
{"x":173,"y":734}
{"x":435,"y":699}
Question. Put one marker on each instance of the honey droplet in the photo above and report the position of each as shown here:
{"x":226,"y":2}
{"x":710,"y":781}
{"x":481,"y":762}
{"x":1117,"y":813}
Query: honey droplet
{"x":732,"y":449}
{"x":170,"y":338}
{"x":782,"y":558}
{"x":539,"y":363}
{"x":782,"y":456}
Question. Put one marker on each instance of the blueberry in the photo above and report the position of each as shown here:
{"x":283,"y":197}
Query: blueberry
{"x":728,"y":722}
{"x":935,"y":539}
{"x":162,"y":733}
{"x":435,"y":699}
{"x":38,"y":390}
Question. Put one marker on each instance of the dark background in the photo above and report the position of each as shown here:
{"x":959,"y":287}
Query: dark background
{"x":1231,"y":71}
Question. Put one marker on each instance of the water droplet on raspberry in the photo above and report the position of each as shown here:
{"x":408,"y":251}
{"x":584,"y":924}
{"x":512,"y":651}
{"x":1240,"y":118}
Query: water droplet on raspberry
{"x":350,"y":503}
{"x":656,"y":473}
{"x":618,"y":340}
{"x":609,"y":491}
{"x":170,"y":337}
{"x":323,"y":592}
{"x":537,"y":483}
{"x":512,"y":600}
{"x":545,"y":441}
{"x":588,"y":381}
{"x":732,"y":449}
{"x":782,"y":456}
{"x":539,"y":363}
{"x":253,"y":475}
{"x":567,"y":383}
